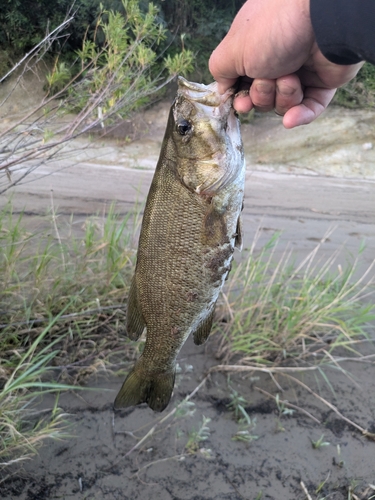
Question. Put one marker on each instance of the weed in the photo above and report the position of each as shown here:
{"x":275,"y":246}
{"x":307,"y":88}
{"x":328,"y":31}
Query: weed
{"x":245,"y":432}
{"x":245,"y":424}
{"x":197,"y":436}
{"x":237,"y":406}
{"x":319,"y":443}
{"x":185,"y":409}
{"x":281,"y":406}
{"x":321,"y":485}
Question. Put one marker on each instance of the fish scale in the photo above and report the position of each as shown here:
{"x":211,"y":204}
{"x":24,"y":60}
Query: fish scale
{"x":189,"y":230}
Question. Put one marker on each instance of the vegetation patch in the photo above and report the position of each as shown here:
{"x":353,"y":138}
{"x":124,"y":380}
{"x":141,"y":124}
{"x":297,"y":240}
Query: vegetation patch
{"x":359,"y":92}
{"x":278,"y":312}
{"x":63,"y":304}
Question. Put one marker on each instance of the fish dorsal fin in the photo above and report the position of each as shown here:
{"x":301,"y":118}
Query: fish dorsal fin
{"x":135,"y":322}
{"x":202,"y":333}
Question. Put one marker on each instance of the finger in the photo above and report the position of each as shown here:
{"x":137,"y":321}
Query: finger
{"x":242,"y":102}
{"x":314,"y":103}
{"x":222,"y":70}
{"x":289,"y":93}
{"x":262,"y":94}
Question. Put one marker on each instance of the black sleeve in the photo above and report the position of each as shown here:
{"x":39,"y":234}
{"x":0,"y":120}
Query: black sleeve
{"x":344,"y":29}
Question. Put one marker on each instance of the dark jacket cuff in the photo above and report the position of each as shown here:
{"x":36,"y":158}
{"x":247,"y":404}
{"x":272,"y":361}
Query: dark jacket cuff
{"x":344,"y":29}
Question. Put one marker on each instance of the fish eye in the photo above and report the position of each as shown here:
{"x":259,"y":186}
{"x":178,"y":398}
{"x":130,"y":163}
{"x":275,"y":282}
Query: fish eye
{"x":183,"y":127}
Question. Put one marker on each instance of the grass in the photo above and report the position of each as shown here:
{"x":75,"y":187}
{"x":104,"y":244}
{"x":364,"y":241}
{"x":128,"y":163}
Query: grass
{"x":22,"y":429}
{"x":359,"y":92}
{"x":63,"y":302}
{"x":276,"y":312}
{"x":62,"y":306}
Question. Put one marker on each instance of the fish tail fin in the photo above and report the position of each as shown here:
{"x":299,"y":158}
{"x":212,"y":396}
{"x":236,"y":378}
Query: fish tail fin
{"x":142,"y":387}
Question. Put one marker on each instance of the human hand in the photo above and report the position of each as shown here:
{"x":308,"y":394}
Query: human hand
{"x":271,"y":49}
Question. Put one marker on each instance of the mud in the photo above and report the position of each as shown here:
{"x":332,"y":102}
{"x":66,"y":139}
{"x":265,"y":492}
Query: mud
{"x":302,"y":183}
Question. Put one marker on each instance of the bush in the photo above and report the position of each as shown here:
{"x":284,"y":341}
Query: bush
{"x":360,"y":92}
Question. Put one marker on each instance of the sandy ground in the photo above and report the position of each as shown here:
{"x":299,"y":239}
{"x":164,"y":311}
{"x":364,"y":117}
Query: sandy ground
{"x":302,"y":183}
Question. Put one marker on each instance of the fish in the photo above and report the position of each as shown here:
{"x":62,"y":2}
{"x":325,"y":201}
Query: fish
{"x":190,"y":228}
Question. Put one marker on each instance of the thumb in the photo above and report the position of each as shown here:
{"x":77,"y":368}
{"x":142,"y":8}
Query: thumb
{"x":222,"y":69}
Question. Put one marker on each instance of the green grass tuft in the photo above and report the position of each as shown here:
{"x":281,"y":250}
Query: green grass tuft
{"x":275,"y":311}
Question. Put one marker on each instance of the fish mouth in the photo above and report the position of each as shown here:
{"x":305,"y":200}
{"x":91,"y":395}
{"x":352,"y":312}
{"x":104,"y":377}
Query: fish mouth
{"x":204,"y":94}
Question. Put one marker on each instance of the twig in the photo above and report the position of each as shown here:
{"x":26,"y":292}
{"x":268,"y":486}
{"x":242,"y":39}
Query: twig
{"x":271,"y":369}
{"x":65,"y":316}
{"x":286,"y":403}
{"x":305,"y":490}
{"x":170,"y":414}
{"x":365,"y":432}
{"x":276,"y":382}
{"x":284,"y":371}
{"x":175,"y":457}
{"x":57,"y":231}
{"x":49,"y":36}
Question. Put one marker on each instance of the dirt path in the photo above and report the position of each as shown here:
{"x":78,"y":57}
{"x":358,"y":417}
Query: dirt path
{"x":285,"y":191}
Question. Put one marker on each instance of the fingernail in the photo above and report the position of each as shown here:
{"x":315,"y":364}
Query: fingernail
{"x":286,"y":91}
{"x":264,"y":88}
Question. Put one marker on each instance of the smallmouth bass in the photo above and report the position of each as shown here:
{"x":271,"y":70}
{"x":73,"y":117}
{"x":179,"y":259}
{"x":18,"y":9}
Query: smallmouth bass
{"x":190,"y":227}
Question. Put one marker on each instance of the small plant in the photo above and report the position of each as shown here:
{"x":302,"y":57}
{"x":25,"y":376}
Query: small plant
{"x":197,"y":436}
{"x":321,"y":485}
{"x":245,"y":432}
{"x":185,"y":409}
{"x":339,"y":462}
{"x":237,"y":406}
{"x":282,"y":409}
{"x":58,"y":77}
{"x":319,"y":443}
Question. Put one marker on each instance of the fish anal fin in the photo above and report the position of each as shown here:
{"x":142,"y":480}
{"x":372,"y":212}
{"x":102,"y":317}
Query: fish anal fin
{"x":155,"y":389}
{"x":202,"y":333}
{"x":238,"y":239}
{"x":135,"y":322}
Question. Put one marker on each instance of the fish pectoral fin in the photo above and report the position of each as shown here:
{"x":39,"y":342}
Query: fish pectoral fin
{"x":155,"y":389}
{"x":238,"y":239}
{"x":135,"y":322}
{"x":202,"y":333}
{"x":215,"y":229}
